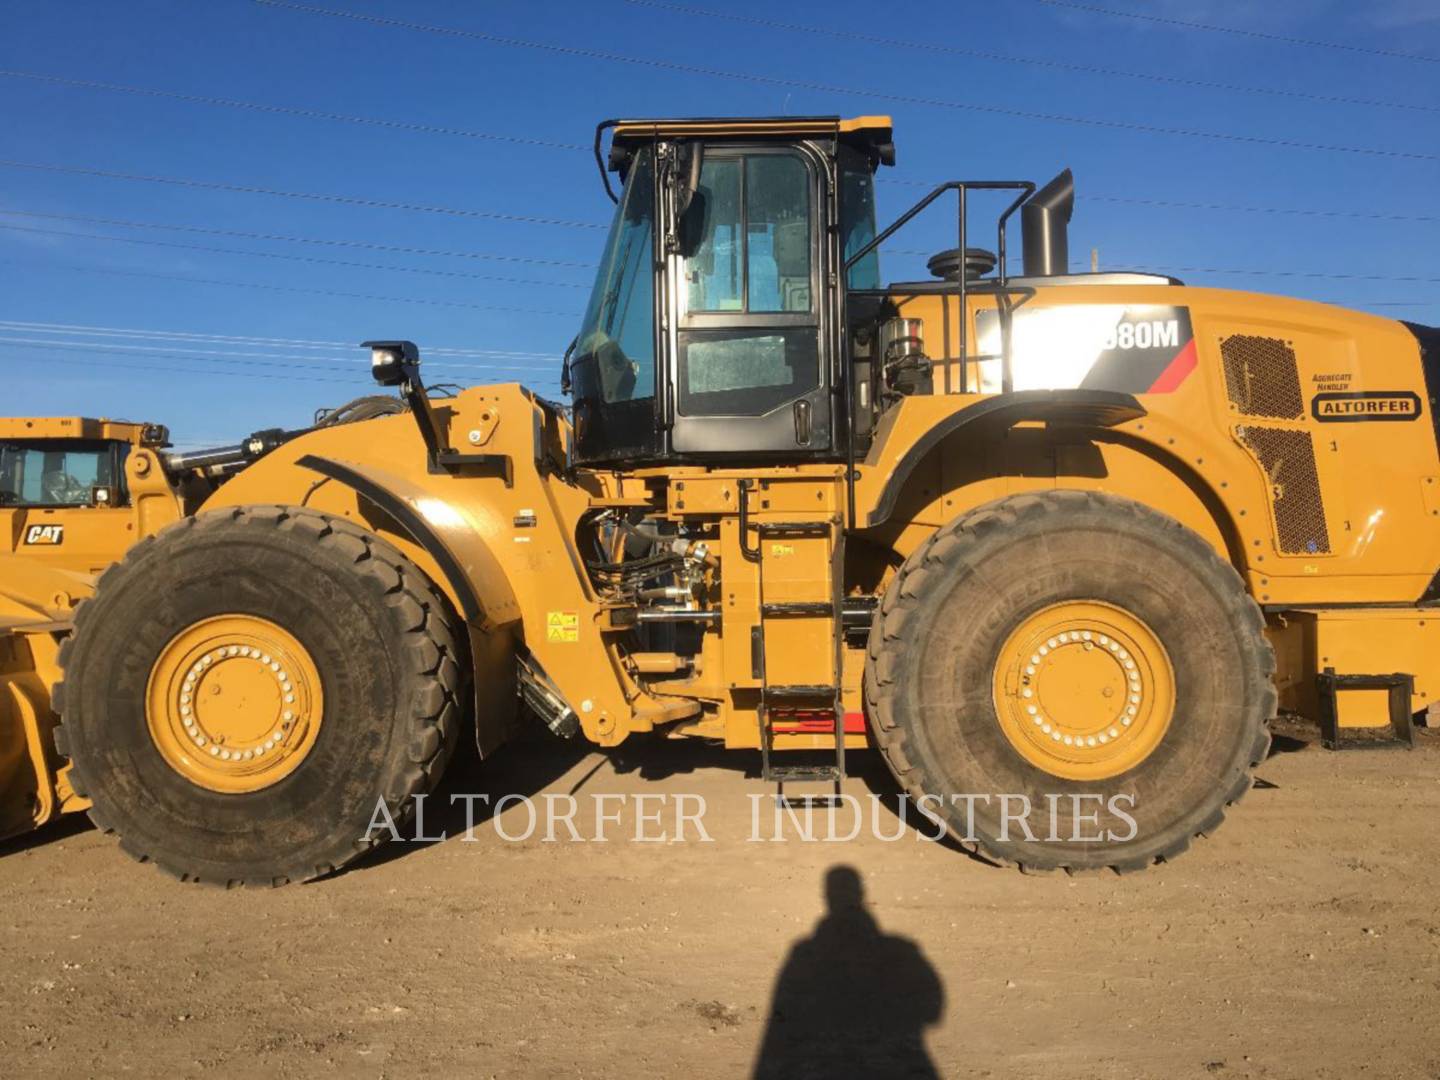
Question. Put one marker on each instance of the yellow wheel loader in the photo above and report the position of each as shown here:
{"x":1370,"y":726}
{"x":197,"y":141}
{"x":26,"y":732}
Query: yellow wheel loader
{"x":1038,"y":537}
{"x":75,"y":495}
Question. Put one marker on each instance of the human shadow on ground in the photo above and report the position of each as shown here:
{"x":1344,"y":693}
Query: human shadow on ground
{"x":851,"y":1000}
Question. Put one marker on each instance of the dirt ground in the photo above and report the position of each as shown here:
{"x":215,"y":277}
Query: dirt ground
{"x":1303,"y":940}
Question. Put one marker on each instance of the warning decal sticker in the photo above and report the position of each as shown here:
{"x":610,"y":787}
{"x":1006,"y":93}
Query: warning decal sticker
{"x":562,"y":626}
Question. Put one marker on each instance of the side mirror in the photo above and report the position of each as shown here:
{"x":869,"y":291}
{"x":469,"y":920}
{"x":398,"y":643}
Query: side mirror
{"x":689,"y":201}
{"x":687,"y":174}
{"x":565,"y":366}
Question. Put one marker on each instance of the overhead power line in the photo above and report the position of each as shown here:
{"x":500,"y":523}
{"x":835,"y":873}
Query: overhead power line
{"x":171,"y":369}
{"x":372,"y":203}
{"x":1238,"y":31}
{"x":239,"y":356}
{"x":288,"y":110}
{"x":347,"y":200}
{"x":30,"y":326}
{"x":913,"y":45}
{"x":1312,"y":274}
{"x":293,"y":258}
{"x":1364,"y":215}
{"x":210,"y":372}
{"x":875,"y":95}
{"x":1017,"y":261}
{"x":363,"y":245}
{"x":1232,"y":208}
{"x":298,"y":289}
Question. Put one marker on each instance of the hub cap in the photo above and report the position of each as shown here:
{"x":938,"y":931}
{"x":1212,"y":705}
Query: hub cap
{"x":234,"y":703}
{"x":1084,"y":690}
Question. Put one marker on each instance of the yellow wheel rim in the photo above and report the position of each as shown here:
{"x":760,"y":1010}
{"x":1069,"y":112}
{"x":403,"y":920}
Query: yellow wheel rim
{"x":1084,"y":690}
{"x":234,"y":703}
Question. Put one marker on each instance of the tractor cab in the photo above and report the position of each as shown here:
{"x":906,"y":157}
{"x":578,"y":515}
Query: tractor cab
{"x":738,"y":311}
{"x":715,"y":325}
{"x":68,"y":488}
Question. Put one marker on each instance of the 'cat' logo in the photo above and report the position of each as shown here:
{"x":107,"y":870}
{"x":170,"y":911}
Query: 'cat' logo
{"x":45,"y":534}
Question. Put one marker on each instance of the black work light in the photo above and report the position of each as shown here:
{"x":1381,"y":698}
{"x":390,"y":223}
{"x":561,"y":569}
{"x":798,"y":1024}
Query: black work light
{"x":392,"y":362}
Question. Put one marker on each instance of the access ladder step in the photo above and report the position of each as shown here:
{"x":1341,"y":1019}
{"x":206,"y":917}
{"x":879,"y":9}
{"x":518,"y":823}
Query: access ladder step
{"x":1401,"y":690}
{"x":799,"y":607}
{"x":820,"y":774}
{"x":801,"y":691}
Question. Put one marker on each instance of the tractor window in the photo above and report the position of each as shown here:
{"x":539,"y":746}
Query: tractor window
{"x":745,"y":373}
{"x":615,"y":353}
{"x":55,"y":472}
{"x":753,"y":255}
{"x":857,"y":225}
{"x":716,"y":271}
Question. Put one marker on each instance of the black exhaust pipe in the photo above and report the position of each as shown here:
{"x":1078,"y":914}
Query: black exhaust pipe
{"x":1046,"y":221}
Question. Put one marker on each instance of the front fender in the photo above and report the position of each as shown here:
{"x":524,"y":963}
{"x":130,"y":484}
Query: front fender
{"x":471,"y":570}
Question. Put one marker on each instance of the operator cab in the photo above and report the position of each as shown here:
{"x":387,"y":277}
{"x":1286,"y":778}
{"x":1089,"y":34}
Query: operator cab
{"x":715,"y":325}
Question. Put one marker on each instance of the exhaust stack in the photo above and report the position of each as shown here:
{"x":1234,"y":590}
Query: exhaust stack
{"x":1045,"y":218}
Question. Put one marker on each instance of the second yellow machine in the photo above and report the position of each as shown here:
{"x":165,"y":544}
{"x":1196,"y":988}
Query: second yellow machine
{"x":1041,"y":536}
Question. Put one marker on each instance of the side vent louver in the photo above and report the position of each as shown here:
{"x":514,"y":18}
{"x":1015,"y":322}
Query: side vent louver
{"x":1261,"y":376}
{"x":1288,"y":458}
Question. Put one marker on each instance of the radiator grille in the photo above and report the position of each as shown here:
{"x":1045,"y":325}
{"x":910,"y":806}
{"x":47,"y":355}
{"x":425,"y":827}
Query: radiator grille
{"x":1288,"y":458}
{"x":1261,"y":376}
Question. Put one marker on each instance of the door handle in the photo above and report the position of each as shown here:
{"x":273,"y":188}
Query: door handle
{"x":802,"y":422}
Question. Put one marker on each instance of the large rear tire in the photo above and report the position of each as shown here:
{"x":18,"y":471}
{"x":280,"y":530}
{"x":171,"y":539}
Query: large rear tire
{"x":1066,"y":644}
{"x":246,"y":687}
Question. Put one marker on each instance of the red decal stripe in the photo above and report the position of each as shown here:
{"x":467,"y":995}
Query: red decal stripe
{"x":1176,"y":371}
{"x":816,"y":723}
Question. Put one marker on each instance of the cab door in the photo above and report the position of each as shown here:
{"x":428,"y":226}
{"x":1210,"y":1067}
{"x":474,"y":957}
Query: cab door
{"x":748,"y":307}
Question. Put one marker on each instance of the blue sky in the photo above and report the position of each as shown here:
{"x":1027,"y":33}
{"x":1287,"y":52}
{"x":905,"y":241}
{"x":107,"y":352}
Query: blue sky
{"x":217,"y":343}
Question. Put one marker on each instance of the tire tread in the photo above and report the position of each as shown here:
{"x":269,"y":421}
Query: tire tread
{"x":948,"y":549}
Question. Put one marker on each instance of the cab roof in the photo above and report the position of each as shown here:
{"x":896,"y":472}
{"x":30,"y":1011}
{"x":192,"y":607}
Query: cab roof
{"x":77,"y":427}
{"x":873,"y":131}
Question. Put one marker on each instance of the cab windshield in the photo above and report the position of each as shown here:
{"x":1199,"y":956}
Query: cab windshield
{"x":614,"y":357}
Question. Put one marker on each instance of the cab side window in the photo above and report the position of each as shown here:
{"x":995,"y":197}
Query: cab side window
{"x":56,"y":472}
{"x":748,"y":342}
{"x":754,"y":250}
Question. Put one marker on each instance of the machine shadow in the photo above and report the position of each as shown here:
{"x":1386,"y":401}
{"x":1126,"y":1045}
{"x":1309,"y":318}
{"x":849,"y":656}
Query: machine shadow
{"x":851,"y":1000}
{"x":659,"y":759}
{"x":53,"y":831}
{"x":527,"y":765}
{"x":535,"y":760}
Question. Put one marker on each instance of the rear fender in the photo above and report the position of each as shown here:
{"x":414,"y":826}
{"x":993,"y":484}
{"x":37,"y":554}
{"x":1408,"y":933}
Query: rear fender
{"x":908,"y":441}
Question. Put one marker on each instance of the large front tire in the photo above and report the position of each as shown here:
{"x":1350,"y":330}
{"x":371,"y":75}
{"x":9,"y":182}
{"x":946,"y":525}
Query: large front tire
{"x":245,"y":689}
{"x":1078,"y":655}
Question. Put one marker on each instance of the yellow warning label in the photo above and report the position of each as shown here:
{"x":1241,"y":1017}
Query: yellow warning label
{"x":779,"y":550}
{"x":562,"y":626}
